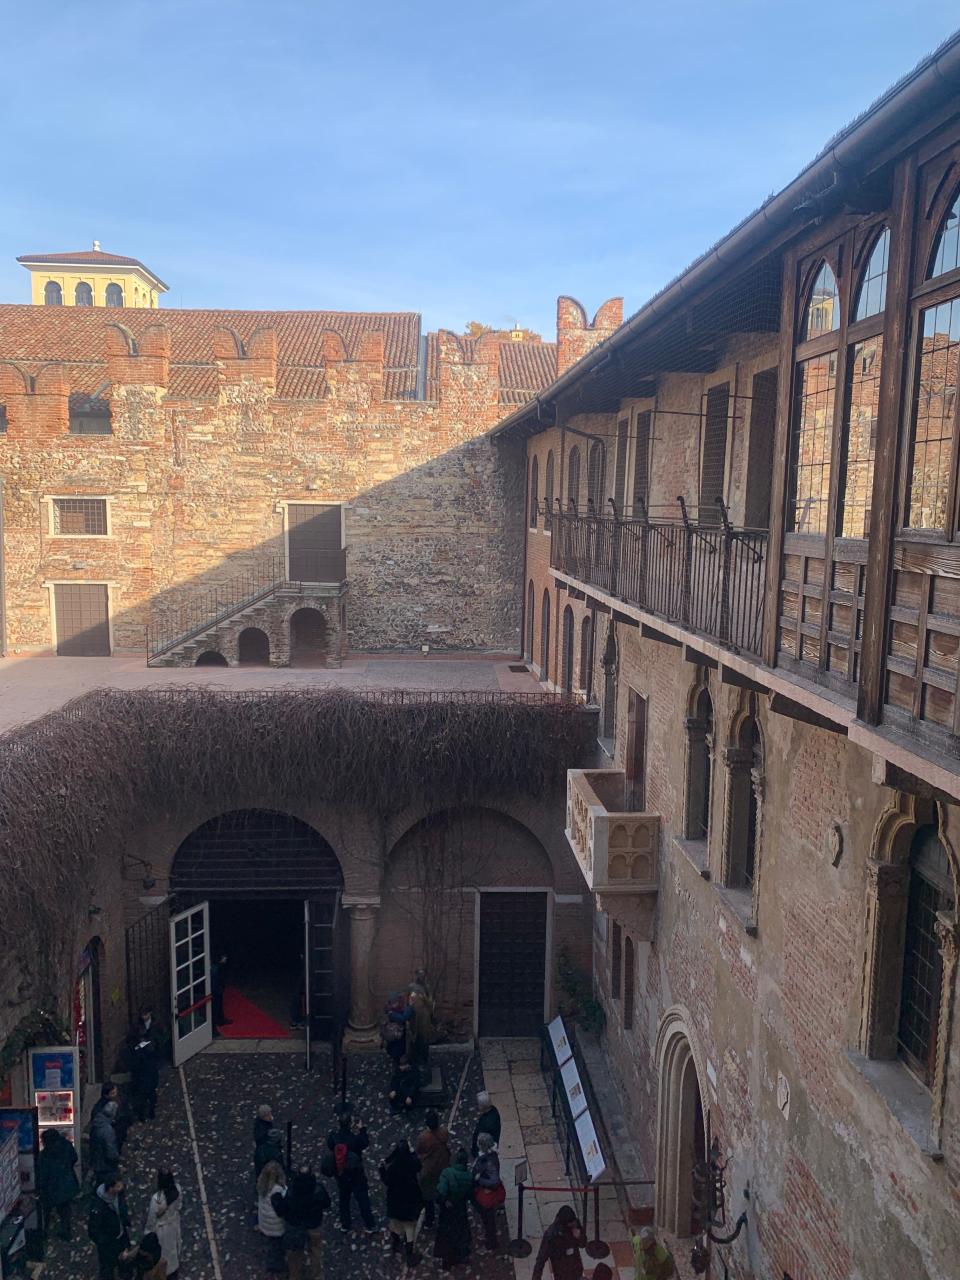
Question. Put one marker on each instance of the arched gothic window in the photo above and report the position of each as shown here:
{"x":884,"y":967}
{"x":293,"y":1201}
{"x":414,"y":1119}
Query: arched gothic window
{"x":699,"y":767}
{"x":744,"y":806}
{"x":872,"y":296}
{"x":545,"y":637}
{"x":573,"y":478}
{"x":629,"y":982}
{"x":567,"y":651}
{"x":83,"y":295}
{"x":114,"y":295}
{"x":823,"y":305}
{"x":931,"y":894}
{"x":531,"y":606}
{"x":946,"y":250}
{"x":585,"y":653}
{"x":534,"y":492}
{"x":52,"y":294}
{"x":596,"y":478}
{"x":616,"y":959}
{"x":548,"y":492}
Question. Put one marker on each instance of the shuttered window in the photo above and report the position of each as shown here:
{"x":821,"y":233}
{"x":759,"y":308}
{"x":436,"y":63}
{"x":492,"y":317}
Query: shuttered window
{"x":620,"y":471}
{"x":641,"y":463}
{"x":713,"y":465}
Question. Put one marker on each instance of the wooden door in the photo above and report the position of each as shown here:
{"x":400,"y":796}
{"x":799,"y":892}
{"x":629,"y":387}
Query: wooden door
{"x":314,"y":543}
{"x":83,"y":628}
{"x":512,"y":969}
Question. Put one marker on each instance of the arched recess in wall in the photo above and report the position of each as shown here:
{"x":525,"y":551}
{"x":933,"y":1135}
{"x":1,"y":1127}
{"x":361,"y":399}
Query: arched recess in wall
{"x":545,"y":636}
{"x":585,"y":643}
{"x":210,"y":658}
{"x":309,"y":638}
{"x":253,"y":648}
{"x":566,"y":656}
{"x":455,"y":880}
{"x":529,"y":620}
{"x":681,"y":1121}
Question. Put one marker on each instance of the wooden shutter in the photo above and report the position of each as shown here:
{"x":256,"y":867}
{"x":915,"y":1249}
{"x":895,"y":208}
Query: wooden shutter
{"x":641,"y":463}
{"x":620,"y":472}
{"x":714,"y":461}
{"x":314,"y":536}
{"x":83,"y":629}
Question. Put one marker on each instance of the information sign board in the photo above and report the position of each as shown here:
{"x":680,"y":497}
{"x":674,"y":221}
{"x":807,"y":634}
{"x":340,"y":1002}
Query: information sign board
{"x":576,"y":1095}
{"x":562,"y":1049}
{"x":590,"y":1147}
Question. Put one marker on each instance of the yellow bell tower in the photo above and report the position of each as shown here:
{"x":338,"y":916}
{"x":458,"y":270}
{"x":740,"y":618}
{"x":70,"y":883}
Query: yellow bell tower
{"x":91,"y":278}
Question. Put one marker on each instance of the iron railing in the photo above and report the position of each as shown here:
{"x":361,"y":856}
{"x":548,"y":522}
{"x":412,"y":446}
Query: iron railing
{"x":218,"y":603}
{"x":707,"y":577}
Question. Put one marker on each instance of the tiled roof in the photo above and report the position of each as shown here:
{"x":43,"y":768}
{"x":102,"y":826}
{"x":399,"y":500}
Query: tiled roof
{"x":74,"y":336}
{"x":88,"y":258}
{"x":525,"y":369}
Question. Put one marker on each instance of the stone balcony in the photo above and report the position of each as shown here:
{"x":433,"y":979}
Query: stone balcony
{"x":617,"y":851}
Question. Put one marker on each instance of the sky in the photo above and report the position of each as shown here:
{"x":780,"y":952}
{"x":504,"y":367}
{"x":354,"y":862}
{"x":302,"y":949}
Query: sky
{"x":467,"y":161}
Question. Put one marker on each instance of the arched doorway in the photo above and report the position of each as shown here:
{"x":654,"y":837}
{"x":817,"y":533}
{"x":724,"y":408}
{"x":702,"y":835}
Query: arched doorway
{"x":210,"y":658}
{"x":486,"y":947}
{"x":308,"y":638}
{"x":270,"y":885}
{"x":681,"y":1127}
{"x":253,"y":648}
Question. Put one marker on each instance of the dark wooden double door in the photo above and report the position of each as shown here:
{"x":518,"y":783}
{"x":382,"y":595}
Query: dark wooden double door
{"x":83,"y":622}
{"x":512,"y":963}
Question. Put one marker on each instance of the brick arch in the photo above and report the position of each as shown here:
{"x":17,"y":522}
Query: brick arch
{"x":681,"y":1135}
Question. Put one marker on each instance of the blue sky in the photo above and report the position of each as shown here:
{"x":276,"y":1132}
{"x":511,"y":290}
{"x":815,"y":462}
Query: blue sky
{"x":465,"y":161}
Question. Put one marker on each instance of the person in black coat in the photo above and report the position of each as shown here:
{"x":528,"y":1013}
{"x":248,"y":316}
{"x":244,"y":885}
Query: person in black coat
{"x":144,"y":1077}
{"x":344,"y":1162}
{"x":404,"y":1086}
{"x":56,"y":1178}
{"x":263,"y":1123}
{"x":104,"y":1152}
{"x":302,"y":1207}
{"x":271,"y":1148}
{"x":487,"y":1122}
{"x":400,"y":1173}
{"x":110,"y":1092}
{"x":108,"y":1226}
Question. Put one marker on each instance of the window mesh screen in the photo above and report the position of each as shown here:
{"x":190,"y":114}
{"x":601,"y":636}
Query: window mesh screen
{"x":80,"y":516}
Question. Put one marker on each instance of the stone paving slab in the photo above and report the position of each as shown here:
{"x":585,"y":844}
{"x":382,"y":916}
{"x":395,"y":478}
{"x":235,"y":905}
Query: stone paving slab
{"x":225,"y":1090}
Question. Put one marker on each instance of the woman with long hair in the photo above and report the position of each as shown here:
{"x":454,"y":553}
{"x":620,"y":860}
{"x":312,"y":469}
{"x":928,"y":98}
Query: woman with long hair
{"x":163,"y":1218}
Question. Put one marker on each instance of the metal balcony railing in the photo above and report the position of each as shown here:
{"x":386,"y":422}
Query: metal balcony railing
{"x":707,"y":576}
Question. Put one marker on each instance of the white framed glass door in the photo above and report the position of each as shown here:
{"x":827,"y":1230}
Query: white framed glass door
{"x":192,"y":1021}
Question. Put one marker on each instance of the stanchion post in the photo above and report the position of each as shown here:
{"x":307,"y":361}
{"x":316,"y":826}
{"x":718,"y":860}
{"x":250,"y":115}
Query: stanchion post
{"x":520,"y":1248}
{"x":596,"y":1248}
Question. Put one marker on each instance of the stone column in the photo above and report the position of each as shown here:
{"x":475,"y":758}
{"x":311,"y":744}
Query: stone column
{"x":362,"y":1025}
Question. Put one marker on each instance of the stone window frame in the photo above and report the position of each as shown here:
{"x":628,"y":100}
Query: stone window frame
{"x":744,"y":789}
{"x":51,"y":500}
{"x":887,"y":891}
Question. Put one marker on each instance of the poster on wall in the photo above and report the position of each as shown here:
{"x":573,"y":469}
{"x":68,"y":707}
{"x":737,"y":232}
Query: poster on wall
{"x":54,"y":1075}
{"x":22,"y":1122}
{"x":9,"y":1172}
{"x":573,"y":1086}
{"x":53,"y":1069}
{"x":590,"y":1147}
{"x":562,"y":1049}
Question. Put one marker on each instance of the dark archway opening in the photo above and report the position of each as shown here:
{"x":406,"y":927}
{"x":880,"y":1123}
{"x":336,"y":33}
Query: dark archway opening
{"x":211,"y":659}
{"x":262,"y":872}
{"x":253,"y":648}
{"x":308,"y":638}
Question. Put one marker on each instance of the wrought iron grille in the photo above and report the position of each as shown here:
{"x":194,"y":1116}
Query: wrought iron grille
{"x":708,"y":577}
{"x":80,"y":516}
{"x":148,"y":960}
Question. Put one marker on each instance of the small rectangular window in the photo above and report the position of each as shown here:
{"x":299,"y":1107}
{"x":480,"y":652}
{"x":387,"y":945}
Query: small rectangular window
{"x":79,"y":517}
{"x":3,"y":419}
{"x":96,"y":423}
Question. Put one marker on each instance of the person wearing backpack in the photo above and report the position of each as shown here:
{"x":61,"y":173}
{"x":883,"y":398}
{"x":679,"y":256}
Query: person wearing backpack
{"x":108,"y":1226}
{"x":344,"y":1163}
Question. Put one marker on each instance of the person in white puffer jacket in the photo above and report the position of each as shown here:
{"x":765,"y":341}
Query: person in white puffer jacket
{"x":163,"y":1218}
{"x":269,"y":1223}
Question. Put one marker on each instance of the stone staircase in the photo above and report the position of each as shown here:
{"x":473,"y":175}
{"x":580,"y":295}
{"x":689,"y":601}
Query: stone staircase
{"x":270,"y":610}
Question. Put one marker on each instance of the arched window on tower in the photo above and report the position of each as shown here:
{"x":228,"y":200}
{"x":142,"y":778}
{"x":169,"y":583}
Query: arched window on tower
{"x":52,"y":294}
{"x":114,"y":295}
{"x":83,"y":295}
{"x":699,"y":766}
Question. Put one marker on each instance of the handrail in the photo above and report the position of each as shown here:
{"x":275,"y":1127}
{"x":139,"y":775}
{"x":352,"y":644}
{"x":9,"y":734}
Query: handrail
{"x":218,"y":603}
{"x":706,"y":575}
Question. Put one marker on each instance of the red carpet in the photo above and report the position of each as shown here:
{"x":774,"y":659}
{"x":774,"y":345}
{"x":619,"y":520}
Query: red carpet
{"x":249,"y":1022}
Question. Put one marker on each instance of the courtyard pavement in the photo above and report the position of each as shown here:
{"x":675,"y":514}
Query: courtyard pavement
{"x":224,"y":1091}
{"x":32,"y":686}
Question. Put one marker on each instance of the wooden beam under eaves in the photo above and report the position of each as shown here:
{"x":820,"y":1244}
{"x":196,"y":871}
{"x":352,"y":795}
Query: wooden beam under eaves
{"x":625,"y":619}
{"x":574,"y":594}
{"x":729,"y":675}
{"x":651,"y":633}
{"x":887,"y":774}
{"x":697,"y":658}
{"x":783,"y":706}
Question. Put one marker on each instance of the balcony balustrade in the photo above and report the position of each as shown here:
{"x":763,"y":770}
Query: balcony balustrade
{"x":705,"y":574}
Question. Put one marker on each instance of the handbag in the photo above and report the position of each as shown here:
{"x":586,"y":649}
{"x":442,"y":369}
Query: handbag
{"x":490,"y":1197}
